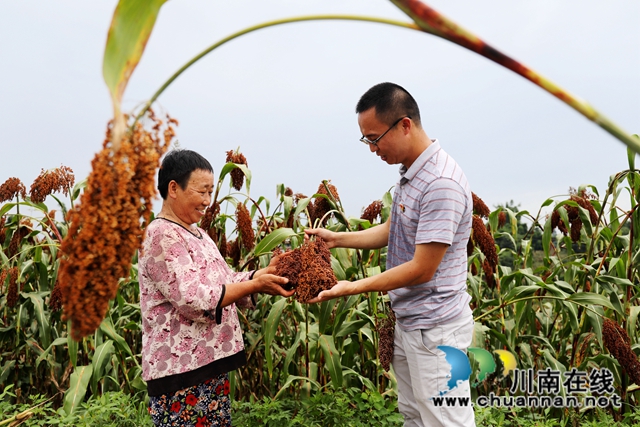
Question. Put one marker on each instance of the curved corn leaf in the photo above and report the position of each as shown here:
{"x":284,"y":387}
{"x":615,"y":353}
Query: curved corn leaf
{"x":130,"y":29}
{"x":291,"y":379}
{"x":270,"y":328}
{"x":77,"y":388}
{"x":101,"y":357}
{"x":331,"y":360}
{"x":589,"y":298}
{"x":431,"y":21}
{"x":272,"y":240}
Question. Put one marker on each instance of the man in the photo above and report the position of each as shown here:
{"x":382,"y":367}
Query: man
{"x":426,"y":273}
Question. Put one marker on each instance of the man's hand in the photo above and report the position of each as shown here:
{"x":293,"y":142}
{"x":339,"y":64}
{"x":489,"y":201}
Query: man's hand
{"x":340,"y":289}
{"x":328,"y":236}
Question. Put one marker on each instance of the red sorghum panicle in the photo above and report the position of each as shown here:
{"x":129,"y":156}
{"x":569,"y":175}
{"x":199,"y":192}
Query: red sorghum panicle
{"x":386,"y":331}
{"x":12,"y":187}
{"x":583,"y":201}
{"x":18,"y":236}
{"x":488,"y":273}
{"x":372,"y":211}
{"x":288,"y":192}
{"x":3,"y":276}
{"x":321,"y":205}
{"x":470,"y":247}
{"x":55,"y":299}
{"x":245,"y":227}
{"x":237,"y":176}
{"x":108,"y":224}
{"x":2,"y":222}
{"x":12,"y":292}
{"x":483,"y":239}
{"x":209,"y":216}
{"x":479,"y":207}
{"x":308,"y":269}
{"x":618,"y":343}
{"x":474,"y":269}
{"x":502,"y":219}
{"x":56,"y":180}
{"x":233,"y":252}
{"x":222,"y":244}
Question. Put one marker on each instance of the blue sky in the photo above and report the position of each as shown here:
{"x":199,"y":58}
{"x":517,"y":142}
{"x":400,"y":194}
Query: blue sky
{"x":286,"y":95}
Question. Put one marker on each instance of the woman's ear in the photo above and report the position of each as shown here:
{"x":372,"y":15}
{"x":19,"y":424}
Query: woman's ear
{"x":172,"y":189}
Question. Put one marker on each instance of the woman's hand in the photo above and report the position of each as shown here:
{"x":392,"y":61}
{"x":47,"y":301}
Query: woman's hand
{"x":271,"y":284}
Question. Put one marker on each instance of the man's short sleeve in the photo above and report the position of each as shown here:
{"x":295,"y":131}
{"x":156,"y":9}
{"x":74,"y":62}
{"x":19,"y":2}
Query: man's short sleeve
{"x":441,"y":210}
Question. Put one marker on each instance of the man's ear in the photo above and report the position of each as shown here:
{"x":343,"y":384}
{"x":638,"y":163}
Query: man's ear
{"x":407,"y":124}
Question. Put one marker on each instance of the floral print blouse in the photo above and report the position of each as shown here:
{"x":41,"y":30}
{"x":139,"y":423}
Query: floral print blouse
{"x":182,"y":283}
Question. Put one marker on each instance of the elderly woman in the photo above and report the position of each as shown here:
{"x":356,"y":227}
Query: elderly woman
{"x":191,"y":336}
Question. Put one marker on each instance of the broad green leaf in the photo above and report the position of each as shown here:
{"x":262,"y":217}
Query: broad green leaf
{"x":605,"y":278}
{"x":521,"y":292}
{"x":366,"y":381}
{"x":77,"y":388}
{"x":546,"y":238}
{"x":6,"y":208}
{"x":326,"y":308}
{"x":55,"y":343}
{"x":337,"y":269}
{"x":332,"y":360}
{"x":101,"y":357}
{"x":72,"y":346}
{"x":596,"y":323}
{"x":270,"y":328}
{"x":7,"y":368}
{"x":130,"y":29}
{"x":107,"y":327}
{"x":616,"y":303}
{"x":589,"y":298}
{"x":272,"y":240}
{"x":291,"y":379}
{"x":347,"y":328}
{"x":302,"y":205}
{"x":42,"y":319}
{"x":632,"y":325}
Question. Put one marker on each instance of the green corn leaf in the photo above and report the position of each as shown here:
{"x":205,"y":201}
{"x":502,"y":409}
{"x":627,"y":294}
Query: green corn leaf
{"x":107,"y":327}
{"x":546,"y":238}
{"x":332,"y":360}
{"x":130,"y":29}
{"x":101,"y":357}
{"x":272,"y":240}
{"x":72,"y":346}
{"x":55,"y":343}
{"x":589,"y":298}
{"x":291,"y":379}
{"x":326,"y":308}
{"x":347,"y":328}
{"x":77,"y":388}
{"x":43,"y":320}
{"x":270,"y":328}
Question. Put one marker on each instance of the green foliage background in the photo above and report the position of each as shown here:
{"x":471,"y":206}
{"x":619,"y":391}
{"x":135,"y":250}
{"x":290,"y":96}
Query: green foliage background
{"x":547,"y":307}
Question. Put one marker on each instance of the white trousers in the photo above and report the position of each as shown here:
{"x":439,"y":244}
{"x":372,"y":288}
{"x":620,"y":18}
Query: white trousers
{"x":421,"y":371}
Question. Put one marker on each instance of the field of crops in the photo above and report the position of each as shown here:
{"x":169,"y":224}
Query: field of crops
{"x":557,"y":290}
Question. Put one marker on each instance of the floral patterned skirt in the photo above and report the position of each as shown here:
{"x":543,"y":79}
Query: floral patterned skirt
{"x":204,"y":405}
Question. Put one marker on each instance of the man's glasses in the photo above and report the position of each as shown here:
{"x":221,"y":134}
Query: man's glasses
{"x":375,"y":141}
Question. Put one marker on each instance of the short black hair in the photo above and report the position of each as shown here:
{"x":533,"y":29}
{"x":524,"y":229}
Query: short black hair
{"x":391,"y":102}
{"x":177,"y":166}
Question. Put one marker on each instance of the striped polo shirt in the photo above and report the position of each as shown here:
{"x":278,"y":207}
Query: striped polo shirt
{"x":431,"y":203}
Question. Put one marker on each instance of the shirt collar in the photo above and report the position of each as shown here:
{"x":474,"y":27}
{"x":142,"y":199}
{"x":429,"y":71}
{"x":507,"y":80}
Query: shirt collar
{"x":407,"y":175}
